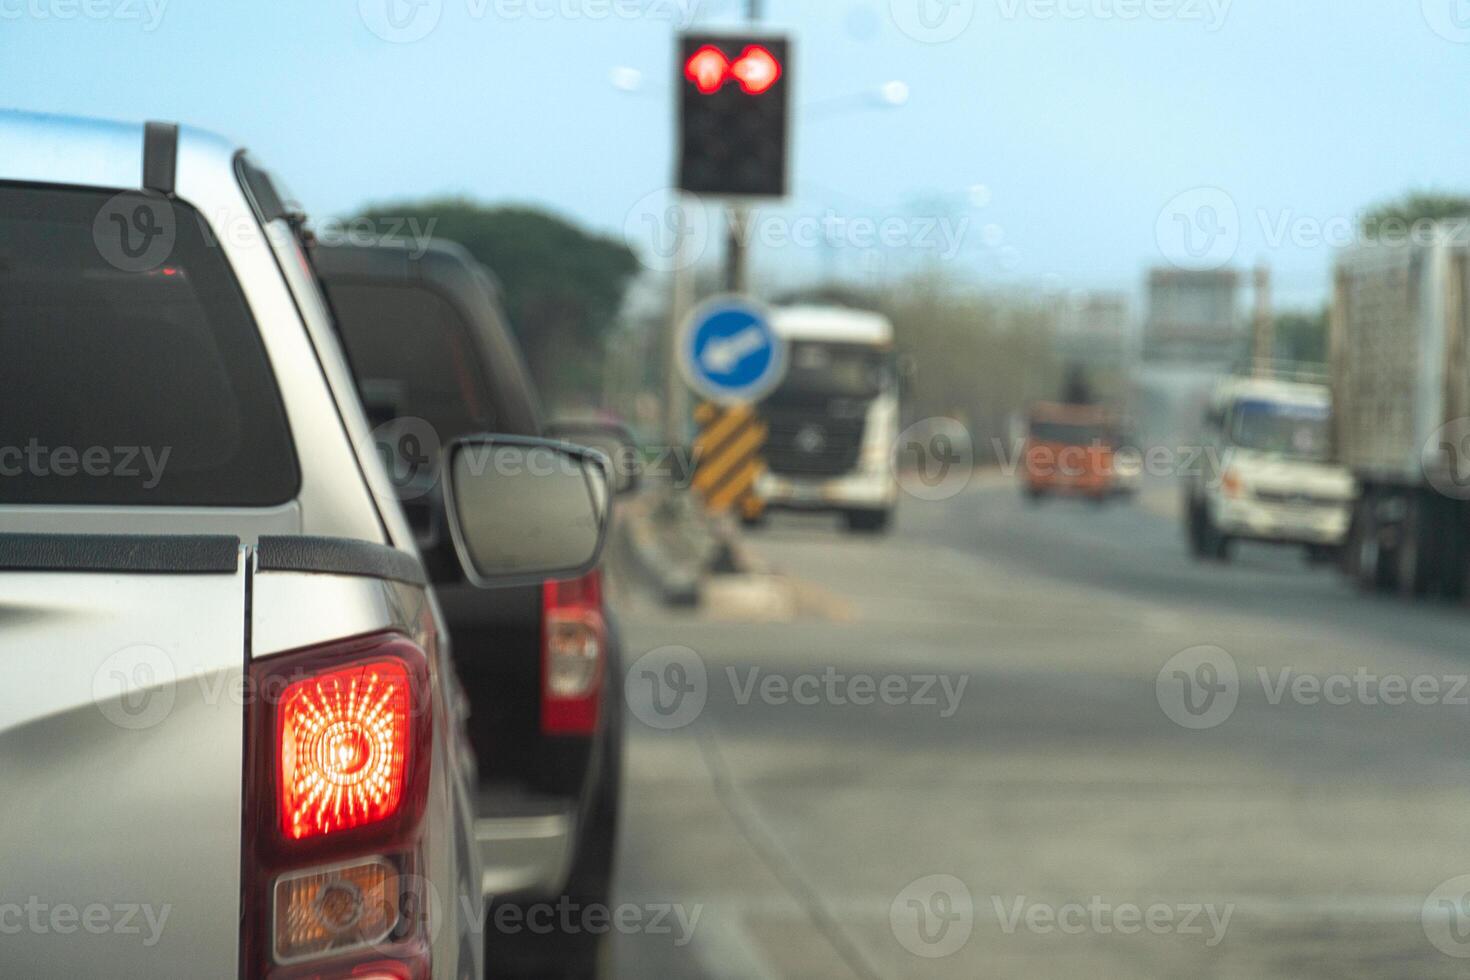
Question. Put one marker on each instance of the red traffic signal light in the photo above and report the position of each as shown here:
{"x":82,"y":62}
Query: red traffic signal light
{"x":756,"y":70}
{"x":733,"y":114}
{"x":707,"y":68}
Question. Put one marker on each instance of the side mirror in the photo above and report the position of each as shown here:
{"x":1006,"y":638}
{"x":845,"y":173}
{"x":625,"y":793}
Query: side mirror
{"x":525,"y":510}
{"x":613,"y":441}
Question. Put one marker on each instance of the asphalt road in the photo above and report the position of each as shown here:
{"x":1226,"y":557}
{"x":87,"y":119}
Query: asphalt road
{"x":1306,"y":817}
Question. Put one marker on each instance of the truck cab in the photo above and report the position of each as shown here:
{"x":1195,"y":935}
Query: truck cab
{"x":833,"y":420}
{"x":1277,"y":482}
{"x":1070,"y":451}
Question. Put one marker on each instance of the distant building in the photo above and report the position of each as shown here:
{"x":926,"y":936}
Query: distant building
{"x":1092,"y":329}
{"x":1195,"y":318}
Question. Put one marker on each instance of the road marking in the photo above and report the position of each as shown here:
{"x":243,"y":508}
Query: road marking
{"x":1276,"y":908}
{"x":725,"y":949}
{"x":778,"y":861}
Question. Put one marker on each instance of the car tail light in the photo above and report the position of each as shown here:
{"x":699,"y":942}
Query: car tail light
{"x":320,"y":912}
{"x":574,"y":651}
{"x":342,"y":745}
{"x":337,"y":776}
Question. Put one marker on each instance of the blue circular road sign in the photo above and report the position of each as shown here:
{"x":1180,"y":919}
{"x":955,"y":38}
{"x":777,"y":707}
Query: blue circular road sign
{"x":729,"y":352}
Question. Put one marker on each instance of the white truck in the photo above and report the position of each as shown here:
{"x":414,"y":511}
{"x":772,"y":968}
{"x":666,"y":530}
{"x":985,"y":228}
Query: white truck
{"x":1276,"y":482}
{"x":1402,"y":394}
{"x":833,"y":421}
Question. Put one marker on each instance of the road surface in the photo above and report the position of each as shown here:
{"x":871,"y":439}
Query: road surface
{"x":1044,"y":816}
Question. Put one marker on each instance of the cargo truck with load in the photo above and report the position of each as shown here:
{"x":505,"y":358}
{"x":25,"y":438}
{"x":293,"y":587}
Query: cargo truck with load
{"x":1401,"y":390}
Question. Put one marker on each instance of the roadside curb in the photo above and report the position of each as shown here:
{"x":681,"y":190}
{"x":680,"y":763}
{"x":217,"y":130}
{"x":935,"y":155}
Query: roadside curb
{"x":673,"y":570}
{"x":691,"y":560}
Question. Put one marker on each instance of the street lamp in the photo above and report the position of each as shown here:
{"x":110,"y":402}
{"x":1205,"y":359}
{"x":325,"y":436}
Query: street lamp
{"x":893,"y":94}
{"x":626,"y":79}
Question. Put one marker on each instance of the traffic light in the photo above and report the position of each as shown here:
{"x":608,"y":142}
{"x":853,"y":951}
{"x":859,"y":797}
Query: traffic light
{"x":733,"y":109}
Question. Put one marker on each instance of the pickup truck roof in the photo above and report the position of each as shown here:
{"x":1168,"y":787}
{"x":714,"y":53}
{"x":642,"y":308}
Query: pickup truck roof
{"x":86,"y":152}
{"x":203,"y":184}
{"x":375,"y":291}
{"x":472,"y":292}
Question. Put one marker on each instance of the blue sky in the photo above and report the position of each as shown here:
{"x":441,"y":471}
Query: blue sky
{"x":1080,"y":119}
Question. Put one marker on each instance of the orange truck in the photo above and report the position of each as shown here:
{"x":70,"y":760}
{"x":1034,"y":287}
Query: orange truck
{"x":1070,"y":450}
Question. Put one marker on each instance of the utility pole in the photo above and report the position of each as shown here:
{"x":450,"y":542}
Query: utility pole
{"x":1264,"y":335}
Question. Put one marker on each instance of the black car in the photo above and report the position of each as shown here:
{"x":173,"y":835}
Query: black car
{"x":434,"y":360}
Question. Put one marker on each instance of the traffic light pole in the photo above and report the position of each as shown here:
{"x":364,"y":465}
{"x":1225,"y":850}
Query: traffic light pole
{"x":681,"y":301}
{"x":737,"y":279}
{"x":735,"y":267}
{"x":733,"y":110}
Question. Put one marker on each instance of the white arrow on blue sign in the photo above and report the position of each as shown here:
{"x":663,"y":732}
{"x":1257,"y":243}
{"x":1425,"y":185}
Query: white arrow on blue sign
{"x":730,"y":353}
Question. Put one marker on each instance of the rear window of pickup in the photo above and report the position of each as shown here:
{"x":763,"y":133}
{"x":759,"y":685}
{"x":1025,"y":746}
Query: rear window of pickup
{"x":131,"y":370}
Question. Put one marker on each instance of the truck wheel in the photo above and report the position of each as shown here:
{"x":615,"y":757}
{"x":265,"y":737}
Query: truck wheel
{"x":1323,"y":554}
{"x":578,"y":954}
{"x":591,"y":882}
{"x":591,"y":878}
{"x":1454,"y":549}
{"x":1223,"y":547}
{"x":1414,"y":559}
{"x":1347,"y":555}
{"x":1206,"y":540}
{"x":1375,"y":573}
{"x":868,"y":521}
{"x":1194,"y":528}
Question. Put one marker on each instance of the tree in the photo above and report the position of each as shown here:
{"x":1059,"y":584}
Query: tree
{"x":980,"y":357}
{"x":1302,"y":337}
{"x":563,"y":286}
{"x":1395,"y":218}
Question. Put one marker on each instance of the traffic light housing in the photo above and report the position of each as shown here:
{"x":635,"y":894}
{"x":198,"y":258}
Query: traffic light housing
{"x":734,"y":109}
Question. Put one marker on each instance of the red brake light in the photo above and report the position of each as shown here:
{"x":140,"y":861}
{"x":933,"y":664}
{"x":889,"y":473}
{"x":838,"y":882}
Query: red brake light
{"x":343,"y":746}
{"x":757,"y":70}
{"x":337,"y":769}
{"x":574,"y":651}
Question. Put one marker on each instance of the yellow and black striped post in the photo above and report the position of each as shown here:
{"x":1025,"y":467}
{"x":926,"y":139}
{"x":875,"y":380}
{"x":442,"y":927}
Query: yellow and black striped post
{"x":727,"y":458}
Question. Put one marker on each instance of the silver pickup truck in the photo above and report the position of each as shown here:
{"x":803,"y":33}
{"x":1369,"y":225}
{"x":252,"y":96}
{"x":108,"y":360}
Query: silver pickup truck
{"x":231,"y":734}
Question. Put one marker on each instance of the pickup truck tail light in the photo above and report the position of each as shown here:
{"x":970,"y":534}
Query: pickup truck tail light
{"x":338,"y":745}
{"x":574,"y":654}
{"x":342,"y":747}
